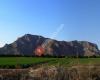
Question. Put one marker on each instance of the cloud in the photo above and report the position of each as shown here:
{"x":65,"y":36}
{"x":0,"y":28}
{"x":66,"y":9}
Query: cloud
{"x":1,"y":44}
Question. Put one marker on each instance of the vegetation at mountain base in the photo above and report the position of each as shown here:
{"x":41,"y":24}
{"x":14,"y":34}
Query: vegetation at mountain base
{"x":26,"y":62}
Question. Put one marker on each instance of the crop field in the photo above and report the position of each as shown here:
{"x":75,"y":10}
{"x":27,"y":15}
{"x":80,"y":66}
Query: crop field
{"x":23,"y":60}
{"x":48,"y":61}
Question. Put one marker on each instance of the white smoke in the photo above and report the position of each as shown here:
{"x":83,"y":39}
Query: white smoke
{"x":54,"y":34}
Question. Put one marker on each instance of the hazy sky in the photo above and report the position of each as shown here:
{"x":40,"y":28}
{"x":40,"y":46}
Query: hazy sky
{"x":81,"y":19}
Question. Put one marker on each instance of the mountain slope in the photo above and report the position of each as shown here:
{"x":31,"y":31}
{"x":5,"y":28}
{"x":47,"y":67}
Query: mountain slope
{"x":28,"y":44}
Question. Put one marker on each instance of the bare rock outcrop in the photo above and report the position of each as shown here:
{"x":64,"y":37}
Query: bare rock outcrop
{"x":27,"y":45}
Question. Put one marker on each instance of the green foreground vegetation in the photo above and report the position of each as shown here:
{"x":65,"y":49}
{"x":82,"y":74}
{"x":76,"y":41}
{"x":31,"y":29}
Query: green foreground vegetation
{"x":63,"y":69}
{"x":49,"y":61}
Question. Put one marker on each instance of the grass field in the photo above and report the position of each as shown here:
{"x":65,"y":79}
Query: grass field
{"x":23,"y":60}
{"x":49,"y":61}
{"x":63,"y":69}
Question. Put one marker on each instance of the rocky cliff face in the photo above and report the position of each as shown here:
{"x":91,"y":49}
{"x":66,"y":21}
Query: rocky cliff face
{"x":28,"y":44}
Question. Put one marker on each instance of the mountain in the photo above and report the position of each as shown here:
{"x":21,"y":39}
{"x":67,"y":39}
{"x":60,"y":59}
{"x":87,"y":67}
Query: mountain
{"x":37,"y":45}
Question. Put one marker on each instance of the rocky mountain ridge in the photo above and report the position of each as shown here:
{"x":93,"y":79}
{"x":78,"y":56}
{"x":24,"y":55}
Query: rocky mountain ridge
{"x":27,"y":45}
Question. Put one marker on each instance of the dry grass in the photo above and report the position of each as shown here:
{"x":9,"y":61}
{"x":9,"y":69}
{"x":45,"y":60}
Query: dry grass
{"x":78,"y":72}
{"x":62,"y":73}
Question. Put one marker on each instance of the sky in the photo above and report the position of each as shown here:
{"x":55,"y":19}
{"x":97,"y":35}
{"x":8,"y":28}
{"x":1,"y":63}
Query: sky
{"x":81,"y":19}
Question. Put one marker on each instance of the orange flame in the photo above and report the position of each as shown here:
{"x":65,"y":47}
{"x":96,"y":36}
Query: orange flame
{"x":40,"y":51}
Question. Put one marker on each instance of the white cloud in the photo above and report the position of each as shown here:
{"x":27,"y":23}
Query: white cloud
{"x":1,"y":45}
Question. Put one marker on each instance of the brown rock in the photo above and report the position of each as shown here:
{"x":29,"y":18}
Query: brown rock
{"x":27,"y":44}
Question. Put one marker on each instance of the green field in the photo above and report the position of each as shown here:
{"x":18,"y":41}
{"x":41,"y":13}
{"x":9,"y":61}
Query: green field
{"x":23,"y":60}
{"x":48,"y":61}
